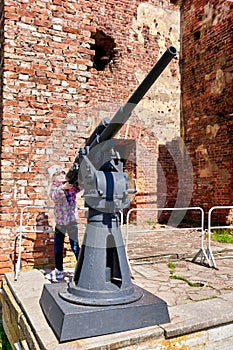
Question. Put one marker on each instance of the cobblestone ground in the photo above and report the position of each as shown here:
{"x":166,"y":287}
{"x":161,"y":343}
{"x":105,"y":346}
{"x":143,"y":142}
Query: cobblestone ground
{"x":157,"y":278}
{"x":151,"y":253}
{"x":161,"y":262}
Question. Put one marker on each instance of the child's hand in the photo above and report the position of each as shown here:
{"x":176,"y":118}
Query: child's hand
{"x":67,"y":186}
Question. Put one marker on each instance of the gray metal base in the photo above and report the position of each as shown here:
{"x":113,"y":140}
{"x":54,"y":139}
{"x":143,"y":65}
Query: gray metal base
{"x":71,"y":321}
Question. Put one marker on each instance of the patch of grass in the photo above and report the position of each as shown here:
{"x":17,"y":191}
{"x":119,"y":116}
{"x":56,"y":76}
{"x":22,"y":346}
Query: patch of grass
{"x":191,"y":284}
{"x":4,"y":343}
{"x":207,"y":298}
{"x":172,"y":268}
{"x":151,"y":222}
{"x":223,"y":235}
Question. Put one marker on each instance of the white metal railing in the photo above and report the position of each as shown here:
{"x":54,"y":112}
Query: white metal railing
{"x":22,"y":230}
{"x":210,"y":228}
{"x":202,"y":253}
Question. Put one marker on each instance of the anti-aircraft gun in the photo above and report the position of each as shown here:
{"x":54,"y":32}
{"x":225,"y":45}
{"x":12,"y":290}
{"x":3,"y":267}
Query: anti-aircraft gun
{"x":102,"y":281}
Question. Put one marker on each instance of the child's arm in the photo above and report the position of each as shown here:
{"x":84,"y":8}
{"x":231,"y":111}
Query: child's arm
{"x":57,"y":192}
{"x":76,"y":189}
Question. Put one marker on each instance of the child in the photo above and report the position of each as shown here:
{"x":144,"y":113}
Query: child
{"x":63,"y":195}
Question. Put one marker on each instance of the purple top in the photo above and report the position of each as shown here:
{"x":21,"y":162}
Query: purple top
{"x":65,"y":209}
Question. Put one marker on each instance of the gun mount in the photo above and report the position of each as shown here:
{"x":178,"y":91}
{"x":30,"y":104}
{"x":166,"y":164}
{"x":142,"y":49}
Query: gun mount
{"x":102,"y":285}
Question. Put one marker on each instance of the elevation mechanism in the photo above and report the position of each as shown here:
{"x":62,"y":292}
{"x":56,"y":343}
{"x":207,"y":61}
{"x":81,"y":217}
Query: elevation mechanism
{"x":102,"y":299}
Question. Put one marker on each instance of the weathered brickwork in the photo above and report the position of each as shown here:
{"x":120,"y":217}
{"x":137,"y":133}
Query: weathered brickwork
{"x":44,"y":85}
{"x":57,"y":84}
{"x":207,"y":104}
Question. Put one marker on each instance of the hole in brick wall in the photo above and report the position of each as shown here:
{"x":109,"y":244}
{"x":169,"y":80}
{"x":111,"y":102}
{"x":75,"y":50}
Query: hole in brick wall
{"x":197,"y":35}
{"x":104,"y":50}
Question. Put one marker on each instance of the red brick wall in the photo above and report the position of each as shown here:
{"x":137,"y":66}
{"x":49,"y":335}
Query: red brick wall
{"x":50,"y":95}
{"x":141,"y":156}
{"x":45,"y":78}
{"x":2,"y":260}
{"x":207,"y":87}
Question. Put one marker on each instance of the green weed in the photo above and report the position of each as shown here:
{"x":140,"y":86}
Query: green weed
{"x":191,"y":284}
{"x":151,"y":222}
{"x":223,"y":235}
{"x":172,"y":268}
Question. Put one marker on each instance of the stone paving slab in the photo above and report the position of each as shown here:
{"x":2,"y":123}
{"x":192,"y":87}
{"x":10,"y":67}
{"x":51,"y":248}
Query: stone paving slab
{"x":189,"y":318}
{"x":163,"y":243}
{"x":177,"y":244}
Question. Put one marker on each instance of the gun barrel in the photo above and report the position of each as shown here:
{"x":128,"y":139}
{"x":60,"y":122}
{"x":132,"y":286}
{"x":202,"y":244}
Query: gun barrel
{"x":124,"y":112}
{"x":98,"y":130}
{"x":152,"y":76}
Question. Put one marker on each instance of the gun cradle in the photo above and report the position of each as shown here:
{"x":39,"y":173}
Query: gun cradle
{"x":105,"y":191}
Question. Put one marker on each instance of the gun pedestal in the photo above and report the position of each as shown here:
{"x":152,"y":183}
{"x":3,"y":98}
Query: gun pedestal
{"x":102,"y":275}
{"x":101,"y":299}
